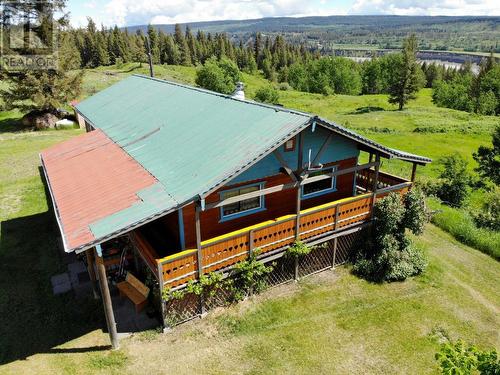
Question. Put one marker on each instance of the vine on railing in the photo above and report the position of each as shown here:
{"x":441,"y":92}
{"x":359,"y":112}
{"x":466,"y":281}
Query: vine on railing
{"x":298,"y":249}
{"x":246,"y":278}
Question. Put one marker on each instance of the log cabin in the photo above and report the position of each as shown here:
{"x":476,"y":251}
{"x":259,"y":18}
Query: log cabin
{"x":197,"y":180}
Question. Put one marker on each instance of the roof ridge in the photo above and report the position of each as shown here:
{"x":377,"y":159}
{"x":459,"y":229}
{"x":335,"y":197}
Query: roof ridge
{"x":210,"y":92}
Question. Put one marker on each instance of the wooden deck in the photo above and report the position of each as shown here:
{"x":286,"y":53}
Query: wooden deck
{"x":270,"y":236}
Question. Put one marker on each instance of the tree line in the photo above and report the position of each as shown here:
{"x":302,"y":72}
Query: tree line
{"x":466,"y":91}
{"x":108,"y":46}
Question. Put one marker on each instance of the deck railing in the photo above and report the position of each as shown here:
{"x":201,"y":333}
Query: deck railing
{"x":226,"y":250}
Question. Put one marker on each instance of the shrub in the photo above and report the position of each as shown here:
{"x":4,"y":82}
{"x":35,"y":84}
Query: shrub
{"x":454,"y":94}
{"x":454,"y":180}
{"x":218,"y":75}
{"x":458,"y":358}
{"x":488,"y":159}
{"x":489,"y":216}
{"x":415,"y":214}
{"x":390,"y":255}
{"x":267,"y":94}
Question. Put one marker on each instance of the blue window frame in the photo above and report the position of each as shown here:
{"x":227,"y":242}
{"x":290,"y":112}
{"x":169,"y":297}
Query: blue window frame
{"x":317,"y":188}
{"x":242,"y":208}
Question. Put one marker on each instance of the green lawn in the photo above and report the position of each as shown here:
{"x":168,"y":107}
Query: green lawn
{"x":421,"y":128}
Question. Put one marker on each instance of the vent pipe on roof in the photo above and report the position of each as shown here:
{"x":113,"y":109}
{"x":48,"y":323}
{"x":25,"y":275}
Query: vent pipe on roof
{"x":239,"y":92}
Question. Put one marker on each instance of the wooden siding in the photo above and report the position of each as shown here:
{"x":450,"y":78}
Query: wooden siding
{"x":231,"y":247}
{"x":338,"y":148}
{"x":276,"y":205}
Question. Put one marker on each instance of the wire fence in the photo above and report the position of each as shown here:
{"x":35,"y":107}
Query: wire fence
{"x":330,"y":254}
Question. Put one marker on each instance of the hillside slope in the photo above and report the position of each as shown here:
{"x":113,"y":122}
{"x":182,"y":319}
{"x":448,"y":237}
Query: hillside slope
{"x":329,"y":322}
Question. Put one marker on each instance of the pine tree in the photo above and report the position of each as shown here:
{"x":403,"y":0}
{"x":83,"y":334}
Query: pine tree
{"x":180,"y":41}
{"x":257,"y":48}
{"x":172,"y":54}
{"x":89,"y":44}
{"x":406,"y":77}
{"x":155,"y":47}
{"x":44,"y":90}
{"x":192,"y":45}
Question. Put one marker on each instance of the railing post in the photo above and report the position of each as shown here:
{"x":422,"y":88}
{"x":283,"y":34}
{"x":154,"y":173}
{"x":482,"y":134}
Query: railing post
{"x":375,"y":180}
{"x":297,"y":233}
{"x":199,"y":254}
{"x":297,"y":218}
{"x":250,"y":242}
{"x":337,"y":211}
{"x":160,"y":287}
{"x":334,"y":252}
{"x":413,"y":172}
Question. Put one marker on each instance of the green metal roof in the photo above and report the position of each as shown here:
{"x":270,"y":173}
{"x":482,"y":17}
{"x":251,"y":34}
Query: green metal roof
{"x":191,"y":140}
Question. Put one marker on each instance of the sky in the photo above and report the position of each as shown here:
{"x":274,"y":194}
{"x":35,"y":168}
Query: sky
{"x":136,"y":12}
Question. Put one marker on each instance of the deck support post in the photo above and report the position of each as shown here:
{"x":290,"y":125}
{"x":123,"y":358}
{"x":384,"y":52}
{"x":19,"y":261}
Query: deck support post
{"x":300,"y":156}
{"x":375,"y":180}
{"x":297,"y":231}
{"x":106,"y":299}
{"x":250,"y":242}
{"x":160,"y":290}
{"x":199,"y":255}
{"x":90,"y":267}
{"x":334,"y":252}
{"x":413,"y":172}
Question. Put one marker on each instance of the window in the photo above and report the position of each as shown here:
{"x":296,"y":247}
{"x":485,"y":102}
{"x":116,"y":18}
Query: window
{"x":241,"y":208}
{"x":320,"y":187}
{"x":290,"y":145}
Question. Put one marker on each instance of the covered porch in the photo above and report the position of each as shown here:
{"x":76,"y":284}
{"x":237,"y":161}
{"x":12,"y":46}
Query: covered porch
{"x":175,"y":267}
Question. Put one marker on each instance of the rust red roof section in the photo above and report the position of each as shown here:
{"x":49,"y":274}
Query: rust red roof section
{"x":90,"y":178}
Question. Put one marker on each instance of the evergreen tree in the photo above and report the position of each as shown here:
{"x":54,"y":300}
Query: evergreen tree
{"x":407,"y":75}
{"x":192,"y":45}
{"x":154,"y":43}
{"x":257,"y":48}
{"x":101,"y":56}
{"x":44,"y":90}
{"x":488,"y":159}
{"x":172,"y":54}
{"x":180,"y":41}
{"x":89,"y":45}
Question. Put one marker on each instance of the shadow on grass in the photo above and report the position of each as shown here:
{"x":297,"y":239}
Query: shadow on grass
{"x":98,"y":348}
{"x":33,"y":320}
{"x":368,"y":109}
{"x":11,"y":124}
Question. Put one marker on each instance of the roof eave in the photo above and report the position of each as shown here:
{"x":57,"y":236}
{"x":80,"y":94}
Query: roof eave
{"x":386,"y":152}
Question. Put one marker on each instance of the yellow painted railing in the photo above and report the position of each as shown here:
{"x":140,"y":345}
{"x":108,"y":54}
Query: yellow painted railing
{"x":223,"y":251}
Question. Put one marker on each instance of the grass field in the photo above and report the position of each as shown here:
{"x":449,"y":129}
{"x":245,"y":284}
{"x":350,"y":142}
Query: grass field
{"x":327,"y":322}
{"x":422,"y":128}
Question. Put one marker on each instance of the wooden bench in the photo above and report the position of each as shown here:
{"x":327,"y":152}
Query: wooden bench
{"x":134,"y":290}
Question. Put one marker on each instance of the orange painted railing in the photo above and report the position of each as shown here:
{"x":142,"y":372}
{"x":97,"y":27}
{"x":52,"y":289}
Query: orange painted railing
{"x":226,"y":250}
{"x":364,"y":179}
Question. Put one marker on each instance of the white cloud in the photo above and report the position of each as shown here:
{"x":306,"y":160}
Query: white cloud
{"x":427,"y":7}
{"x":134,"y":12}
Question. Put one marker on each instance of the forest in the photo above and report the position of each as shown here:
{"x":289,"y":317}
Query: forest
{"x":284,"y":64}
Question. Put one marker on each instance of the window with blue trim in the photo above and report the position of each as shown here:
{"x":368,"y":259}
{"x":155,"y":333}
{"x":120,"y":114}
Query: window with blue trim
{"x":320,"y":187}
{"x":242,"y":208}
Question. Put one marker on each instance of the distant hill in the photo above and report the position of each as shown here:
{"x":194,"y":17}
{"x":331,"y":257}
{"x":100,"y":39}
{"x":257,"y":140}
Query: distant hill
{"x":472,"y":33}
